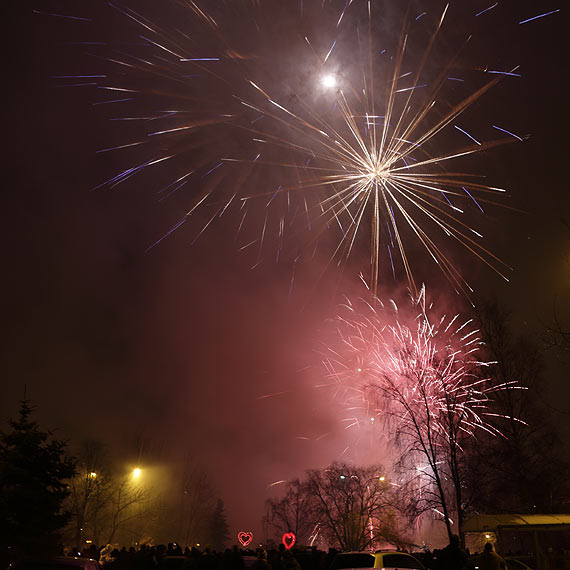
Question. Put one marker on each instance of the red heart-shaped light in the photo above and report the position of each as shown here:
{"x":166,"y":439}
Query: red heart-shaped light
{"x":245,"y":537}
{"x":289,"y":540}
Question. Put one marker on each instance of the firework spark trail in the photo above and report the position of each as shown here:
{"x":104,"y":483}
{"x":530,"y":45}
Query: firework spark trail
{"x":371,"y":154}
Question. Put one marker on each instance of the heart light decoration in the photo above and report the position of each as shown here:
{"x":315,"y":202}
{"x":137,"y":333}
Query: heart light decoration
{"x":245,"y":537}
{"x":289,"y":540}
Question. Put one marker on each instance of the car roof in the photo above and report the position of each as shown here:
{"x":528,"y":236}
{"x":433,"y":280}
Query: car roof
{"x":377,"y":551}
{"x":376,"y":556}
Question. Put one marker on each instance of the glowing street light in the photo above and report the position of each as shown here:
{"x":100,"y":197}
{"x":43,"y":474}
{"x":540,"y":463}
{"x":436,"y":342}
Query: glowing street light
{"x":93,"y":475}
{"x":136,"y":472}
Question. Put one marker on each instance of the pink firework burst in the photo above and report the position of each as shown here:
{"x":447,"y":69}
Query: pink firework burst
{"x":398,"y":365}
{"x":424,"y":379}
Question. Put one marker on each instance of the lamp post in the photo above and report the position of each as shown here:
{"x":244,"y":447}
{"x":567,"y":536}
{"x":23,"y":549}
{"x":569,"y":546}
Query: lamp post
{"x":377,"y":479}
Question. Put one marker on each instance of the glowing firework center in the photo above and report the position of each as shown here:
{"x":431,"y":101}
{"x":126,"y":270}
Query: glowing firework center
{"x":329,"y":81}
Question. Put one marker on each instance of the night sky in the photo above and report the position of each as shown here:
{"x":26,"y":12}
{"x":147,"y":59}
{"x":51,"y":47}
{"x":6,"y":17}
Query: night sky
{"x":180,"y":343}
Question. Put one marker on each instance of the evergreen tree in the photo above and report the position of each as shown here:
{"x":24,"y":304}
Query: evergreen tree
{"x":219,"y":529}
{"x":33,"y":471}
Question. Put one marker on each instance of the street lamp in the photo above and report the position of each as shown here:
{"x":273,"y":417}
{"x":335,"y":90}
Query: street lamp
{"x":136,"y":472}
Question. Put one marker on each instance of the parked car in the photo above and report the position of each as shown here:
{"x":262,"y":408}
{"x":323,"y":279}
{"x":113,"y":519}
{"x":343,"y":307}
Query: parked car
{"x":59,"y":563}
{"x":387,"y":559}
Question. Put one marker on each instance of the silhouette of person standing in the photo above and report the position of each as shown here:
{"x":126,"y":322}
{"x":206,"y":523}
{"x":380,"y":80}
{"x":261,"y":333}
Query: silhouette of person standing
{"x":490,"y":560}
{"x":261,"y":562}
{"x":452,"y":557}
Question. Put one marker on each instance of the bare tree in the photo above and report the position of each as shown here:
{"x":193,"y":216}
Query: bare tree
{"x":218,"y":528}
{"x":430,"y":431}
{"x":558,"y":332}
{"x":195,"y":503}
{"x":525,"y":470}
{"x":128,"y":502}
{"x":292,"y":512}
{"x":558,"y":336}
{"x":100,"y":496}
{"x":89,"y":491}
{"x":354,"y":508}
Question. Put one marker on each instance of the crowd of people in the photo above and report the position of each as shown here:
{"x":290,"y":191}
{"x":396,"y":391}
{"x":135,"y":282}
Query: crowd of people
{"x":174,"y":557}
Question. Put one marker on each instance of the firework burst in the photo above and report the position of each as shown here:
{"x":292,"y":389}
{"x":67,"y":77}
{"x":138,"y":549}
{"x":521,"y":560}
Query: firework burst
{"x":422,"y":380}
{"x":315,"y":113}
{"x":422,"y":373}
